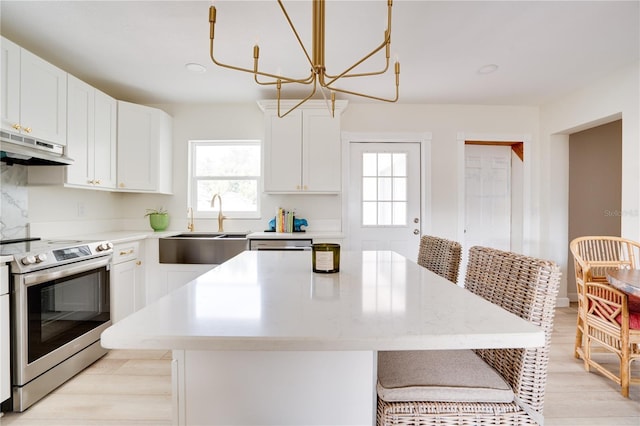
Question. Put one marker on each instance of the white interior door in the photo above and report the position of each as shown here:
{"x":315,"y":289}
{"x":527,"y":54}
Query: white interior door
{"x":488,"y":196}
{"x":384,"y":197}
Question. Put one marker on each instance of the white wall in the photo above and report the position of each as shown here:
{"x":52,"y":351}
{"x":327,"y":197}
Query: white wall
{"x":612,"y":97}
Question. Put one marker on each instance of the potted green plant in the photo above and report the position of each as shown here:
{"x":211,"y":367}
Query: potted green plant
{"x":158,"y":219}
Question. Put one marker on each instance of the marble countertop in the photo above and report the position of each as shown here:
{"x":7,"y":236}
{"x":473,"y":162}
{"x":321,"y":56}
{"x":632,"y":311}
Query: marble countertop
{"x":271,"y":300}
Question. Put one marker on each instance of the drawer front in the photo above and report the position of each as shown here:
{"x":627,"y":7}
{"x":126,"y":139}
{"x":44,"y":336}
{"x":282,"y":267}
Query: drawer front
{"x":125,"y":252}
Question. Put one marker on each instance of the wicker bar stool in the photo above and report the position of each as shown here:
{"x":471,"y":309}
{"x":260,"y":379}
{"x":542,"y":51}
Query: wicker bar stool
{"x":441,"y":256}
{"x":486,"y":386}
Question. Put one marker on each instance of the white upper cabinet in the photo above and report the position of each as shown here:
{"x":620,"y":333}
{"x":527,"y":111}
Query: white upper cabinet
{"x":144,"y":149}
{"x":34,"y":95}
{"x":302,"y":152}
{"x":91,"y":136}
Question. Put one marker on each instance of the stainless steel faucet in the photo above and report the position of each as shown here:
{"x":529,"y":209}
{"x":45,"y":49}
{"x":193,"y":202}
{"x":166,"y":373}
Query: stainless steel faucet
{"x":221,"y":217}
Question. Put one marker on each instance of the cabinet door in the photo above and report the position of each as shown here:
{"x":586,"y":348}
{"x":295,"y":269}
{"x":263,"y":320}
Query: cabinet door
{"x":43,"y":99}
{"x":10,"y":84}
{"x":123,"y":277}
{"x":283,"y":152}
{"x":105,"y":140}
{"x":321,"y":153}
{"x":137,"y":155}
{"x":80,"y":141}
{"x":144,"y":149}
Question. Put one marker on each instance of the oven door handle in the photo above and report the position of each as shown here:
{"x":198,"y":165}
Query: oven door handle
{"x":37,"y":277}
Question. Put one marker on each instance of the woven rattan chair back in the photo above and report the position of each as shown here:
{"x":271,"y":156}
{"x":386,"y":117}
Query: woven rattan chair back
{"x":441,"y":256}
{"x":603,"y":311}
{"x":592,"y":256}
{"x":526,"y":287}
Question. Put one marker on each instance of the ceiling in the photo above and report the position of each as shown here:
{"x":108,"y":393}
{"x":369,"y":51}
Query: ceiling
{"x":137,"y":50}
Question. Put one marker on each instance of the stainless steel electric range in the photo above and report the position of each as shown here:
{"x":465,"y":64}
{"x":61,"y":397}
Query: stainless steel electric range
{"x":59,"y":307}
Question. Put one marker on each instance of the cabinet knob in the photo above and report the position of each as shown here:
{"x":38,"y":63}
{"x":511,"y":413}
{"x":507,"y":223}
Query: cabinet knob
{"x":139,"y":262}
{"x":27,"y":129}
{"x":17,"y":126}
{"x":121,"y":185}
{"x":97,"y":182}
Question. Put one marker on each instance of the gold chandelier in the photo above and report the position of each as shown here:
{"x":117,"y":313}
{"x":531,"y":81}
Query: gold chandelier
{"x":318,"y":78}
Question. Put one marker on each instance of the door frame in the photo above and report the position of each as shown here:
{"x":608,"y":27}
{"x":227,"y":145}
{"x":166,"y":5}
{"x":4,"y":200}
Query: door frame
{"x":424,"y":139}
{"x":521,"y":242}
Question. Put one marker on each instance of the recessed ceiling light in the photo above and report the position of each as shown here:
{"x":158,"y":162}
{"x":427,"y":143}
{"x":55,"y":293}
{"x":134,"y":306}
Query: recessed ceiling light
{"x":487,"y":69}
{"x":193,"y":67}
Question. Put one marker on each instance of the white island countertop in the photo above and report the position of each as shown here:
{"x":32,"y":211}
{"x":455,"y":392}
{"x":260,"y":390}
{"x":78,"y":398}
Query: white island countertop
{"x":271,"y":300}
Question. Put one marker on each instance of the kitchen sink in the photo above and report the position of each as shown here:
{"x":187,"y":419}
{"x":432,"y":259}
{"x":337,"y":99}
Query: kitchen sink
{"x":202,"y":248}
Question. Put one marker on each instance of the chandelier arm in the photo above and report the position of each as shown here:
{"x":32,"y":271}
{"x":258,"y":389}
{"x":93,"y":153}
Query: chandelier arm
{"x":386,"y":43}
{"x":295,"y":32}
{"x":256,"y":52}
{"x":367,"y":74}
{"x":261,"y":73}
{"x":362,"y":95}
{"x":313,"y":92}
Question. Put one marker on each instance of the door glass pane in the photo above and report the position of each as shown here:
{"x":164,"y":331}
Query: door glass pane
{"x":400,"y":164}
{"x":384,"y":164}
{"x":384,"y":213}
{"x":384,"y":189}
{"x":369,"y":189}
{"x":369,"y":164}
{"x":400,"y":189}
{"x":369,"y":216}
{"x":400,"y":214}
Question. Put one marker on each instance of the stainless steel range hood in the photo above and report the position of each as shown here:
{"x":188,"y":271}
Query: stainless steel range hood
{"x":29,"y":151}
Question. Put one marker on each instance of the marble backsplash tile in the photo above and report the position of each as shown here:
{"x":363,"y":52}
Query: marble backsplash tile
{"x":14,"y":202}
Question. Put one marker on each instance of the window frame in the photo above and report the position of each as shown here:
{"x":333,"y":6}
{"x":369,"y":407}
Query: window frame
{"x":193,"y":180}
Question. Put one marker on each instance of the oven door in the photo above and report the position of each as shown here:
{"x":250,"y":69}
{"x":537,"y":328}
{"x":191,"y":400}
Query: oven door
{"x":58,"y":312}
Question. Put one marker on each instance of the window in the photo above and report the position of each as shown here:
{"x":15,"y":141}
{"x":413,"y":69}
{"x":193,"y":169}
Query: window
{"x":228,"y":168}
{"x":384,"y":189}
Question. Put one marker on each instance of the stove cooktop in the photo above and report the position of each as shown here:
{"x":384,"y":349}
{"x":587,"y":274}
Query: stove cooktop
{"x":35,"y":254}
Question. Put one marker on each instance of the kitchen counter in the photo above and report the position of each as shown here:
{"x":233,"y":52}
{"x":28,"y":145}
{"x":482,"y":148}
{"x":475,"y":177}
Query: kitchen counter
{"x":299,"y":341}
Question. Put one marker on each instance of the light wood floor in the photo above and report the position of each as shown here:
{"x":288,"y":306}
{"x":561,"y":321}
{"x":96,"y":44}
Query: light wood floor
{"x":134,"y":388}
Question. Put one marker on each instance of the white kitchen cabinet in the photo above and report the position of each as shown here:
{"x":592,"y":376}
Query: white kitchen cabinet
{"x":163,"y":278}
{"x":144,"y":149}
{"x":127,"y":279}
{"x":302,"y":152}
{"x":34,"y":95}
{"x":91,"y":136}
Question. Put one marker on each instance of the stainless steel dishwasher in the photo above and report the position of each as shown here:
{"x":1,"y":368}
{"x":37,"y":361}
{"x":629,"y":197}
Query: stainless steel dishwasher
{"x":298,"y":244}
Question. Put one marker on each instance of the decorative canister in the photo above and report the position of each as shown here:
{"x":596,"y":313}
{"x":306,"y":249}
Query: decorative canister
{"x":326,"y":257}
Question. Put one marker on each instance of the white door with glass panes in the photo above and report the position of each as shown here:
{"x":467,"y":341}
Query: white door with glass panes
{"x":384,"y":197}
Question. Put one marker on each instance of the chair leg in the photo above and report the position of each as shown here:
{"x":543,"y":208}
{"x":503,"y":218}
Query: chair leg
{"x":578,"y":343}
{"x":625,"y":368}
{"x":586,"y":351}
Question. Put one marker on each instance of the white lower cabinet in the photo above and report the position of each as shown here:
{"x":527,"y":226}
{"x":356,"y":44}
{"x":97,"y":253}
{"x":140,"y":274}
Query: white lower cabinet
{"x":127,"y":280}
{"x":163,"y":278}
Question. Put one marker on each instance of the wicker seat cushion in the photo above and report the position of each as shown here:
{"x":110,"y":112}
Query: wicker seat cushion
{"x":446,"y":376}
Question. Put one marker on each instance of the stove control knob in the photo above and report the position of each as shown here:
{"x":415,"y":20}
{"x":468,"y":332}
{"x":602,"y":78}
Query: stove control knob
{"x":104,"y":246}
{"x":28,"y":260}
{"x":41,"y":257}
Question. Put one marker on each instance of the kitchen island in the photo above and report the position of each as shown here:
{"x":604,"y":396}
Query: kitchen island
{"x":263,"y":340}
